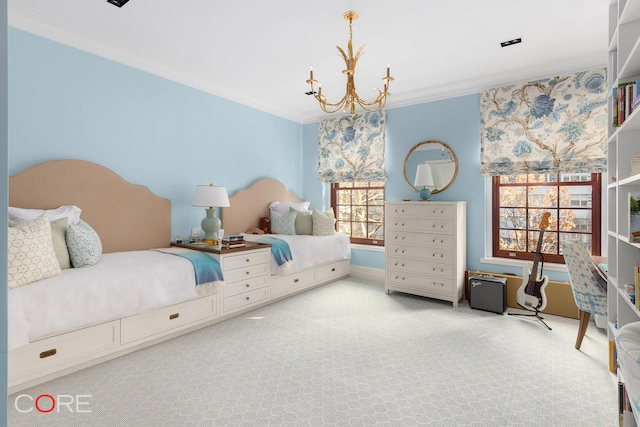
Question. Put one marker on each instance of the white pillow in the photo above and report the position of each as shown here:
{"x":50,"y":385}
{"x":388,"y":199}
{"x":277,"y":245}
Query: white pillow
{"x":31,"y":256}
{"x":68,"y":211}
{"x":323,"y":223}
{"x":283,"y":208}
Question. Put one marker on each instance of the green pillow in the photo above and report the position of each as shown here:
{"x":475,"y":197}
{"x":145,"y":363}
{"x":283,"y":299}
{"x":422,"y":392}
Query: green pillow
{"x":304,"y":222}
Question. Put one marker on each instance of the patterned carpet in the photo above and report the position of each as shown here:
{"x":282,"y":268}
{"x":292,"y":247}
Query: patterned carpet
{"x":347,"y":354}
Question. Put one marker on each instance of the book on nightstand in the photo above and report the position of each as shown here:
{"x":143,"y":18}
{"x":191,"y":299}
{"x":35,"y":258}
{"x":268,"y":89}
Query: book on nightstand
{"x":232,"y":238}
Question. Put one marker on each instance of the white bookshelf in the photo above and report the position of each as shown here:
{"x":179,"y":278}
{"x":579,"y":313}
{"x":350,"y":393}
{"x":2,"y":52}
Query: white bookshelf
{"x":624,"y":141}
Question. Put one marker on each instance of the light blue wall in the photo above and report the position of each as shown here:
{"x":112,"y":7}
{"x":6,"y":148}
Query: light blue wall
{"x":454,"y":121}
{"x":3,"y":210}
{"x":66,"y":103}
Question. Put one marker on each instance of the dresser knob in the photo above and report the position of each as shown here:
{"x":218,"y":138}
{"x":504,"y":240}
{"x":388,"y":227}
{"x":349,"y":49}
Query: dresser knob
{"x":441,"y":255}
{"x":403,"y":224}
{"x":248,"y":272}
{"x":433,"y":226}
{"x":402,"y":237}
{"x":247,"y":285}
{"x":396,"y":251}
{"x":441,"y":241}
{"x":442,"y":226}
{"x":247,"y":297}
{"x":403,"y":251}
{"x":247,"y":260}
{"x":395,"y":237}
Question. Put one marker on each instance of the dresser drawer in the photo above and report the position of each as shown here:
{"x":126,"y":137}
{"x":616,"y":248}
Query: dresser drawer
{"x":425,"y":210}
{"x":424,"y":253}
{"x":293,"y":282}
{"x":57,"y":351}
{"x":439,"y":240}
{"x":245,"y":259}
{"x":417,"y":224}
{"x":245,"y":273}
{"x":146,"y":324}
{"x":245,"y":299}
{"x":429,"y":284}
{"x":245,"y":285}
{"x":329,"y":271}
{"x":400,"y":266}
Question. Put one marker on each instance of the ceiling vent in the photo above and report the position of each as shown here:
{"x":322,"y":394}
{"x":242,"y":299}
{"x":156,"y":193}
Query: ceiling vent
{"x":118,"y":3}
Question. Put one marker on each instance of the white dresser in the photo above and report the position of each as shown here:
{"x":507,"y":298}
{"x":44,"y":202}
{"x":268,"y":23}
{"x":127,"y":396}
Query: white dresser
{"x":425,"y":249}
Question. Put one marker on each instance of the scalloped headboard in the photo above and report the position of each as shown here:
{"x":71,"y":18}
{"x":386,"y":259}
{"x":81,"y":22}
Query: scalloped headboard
{"x":126,"y":216}
{"x":247,"y":206}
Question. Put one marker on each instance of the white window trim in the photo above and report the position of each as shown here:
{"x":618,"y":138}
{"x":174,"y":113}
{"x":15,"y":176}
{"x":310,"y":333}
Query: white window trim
{"x":371,"y":248}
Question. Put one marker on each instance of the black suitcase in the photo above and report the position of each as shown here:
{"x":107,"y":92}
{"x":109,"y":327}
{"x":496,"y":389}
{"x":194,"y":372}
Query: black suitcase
{"x":488,"y":293}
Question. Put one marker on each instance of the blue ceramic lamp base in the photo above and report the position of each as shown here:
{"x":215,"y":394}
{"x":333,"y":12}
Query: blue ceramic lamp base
{"x":425,"y":194}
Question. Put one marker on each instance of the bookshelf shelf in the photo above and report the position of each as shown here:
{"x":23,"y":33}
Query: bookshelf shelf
{"x":623,"y":144}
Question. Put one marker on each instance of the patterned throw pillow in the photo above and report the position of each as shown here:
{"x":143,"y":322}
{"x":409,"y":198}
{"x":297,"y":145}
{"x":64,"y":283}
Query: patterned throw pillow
{"x":304,"y":222}
{"x":283,"y":224}
{"x":30,"y":252}
{"x":84,"y":245}
{"x":323,"y":223}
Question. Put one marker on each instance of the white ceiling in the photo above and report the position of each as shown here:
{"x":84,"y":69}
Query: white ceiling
{"x":258,"y":53}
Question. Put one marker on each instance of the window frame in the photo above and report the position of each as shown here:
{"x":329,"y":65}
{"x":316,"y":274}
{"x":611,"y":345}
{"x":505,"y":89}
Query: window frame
{"x":596,"y":218}
{"x":335,"y":186}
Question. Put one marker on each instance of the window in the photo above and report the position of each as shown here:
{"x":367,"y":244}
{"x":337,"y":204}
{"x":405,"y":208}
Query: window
{"x":520,"y":201}
{"x":359,"y":208}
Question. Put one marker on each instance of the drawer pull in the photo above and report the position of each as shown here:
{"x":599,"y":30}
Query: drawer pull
{"x":433,"y":226}
{"x":174,"y":316}
{"x":248,"y":272}
{"x":442,"y":226}
{"x":247,"y":298}
{"x":295,"y":280}
{"x":333,"y":269}
{"x":248,"y":260}
{"x":247,"y":285}
{"x":48,"y":353}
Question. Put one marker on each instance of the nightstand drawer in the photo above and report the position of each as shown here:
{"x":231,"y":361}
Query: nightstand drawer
{"x":242,"y":286}
{"x":247,"y":272}
{"x":245,"y":260}
{"x":245,"y":299}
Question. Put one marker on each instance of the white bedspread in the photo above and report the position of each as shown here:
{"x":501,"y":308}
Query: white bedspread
{"x":120,"y":285}
{"x":309,"y":251}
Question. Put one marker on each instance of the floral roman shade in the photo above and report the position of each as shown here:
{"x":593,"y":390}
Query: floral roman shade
{"x":351,"y":148}
{"x":557,"y":124}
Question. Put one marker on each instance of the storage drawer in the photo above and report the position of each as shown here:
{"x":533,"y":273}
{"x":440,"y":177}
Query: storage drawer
{"x":293,"y":282}
{"x":422,"y":253}
{"x":429,"y":284}
{"x":245,"y":273}
{"x":424,"y":211}
{"x":245,"y":259}
{"x":55,"y":352}
{"x":421,"y":267}
{"x":329,"y":271}
{"x":245,"y":299}
{"x":416,"y":224}
{"x":434,"y":240}
{"x":146,"y":324}
{"x":245,"y":286}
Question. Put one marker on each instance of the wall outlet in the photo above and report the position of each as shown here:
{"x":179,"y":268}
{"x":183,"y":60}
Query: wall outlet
{"x":195,"y":232}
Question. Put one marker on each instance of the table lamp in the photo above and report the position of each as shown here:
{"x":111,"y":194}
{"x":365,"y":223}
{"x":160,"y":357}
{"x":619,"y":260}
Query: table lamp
{"x":210,"y":197}
{"x":424,"y":179}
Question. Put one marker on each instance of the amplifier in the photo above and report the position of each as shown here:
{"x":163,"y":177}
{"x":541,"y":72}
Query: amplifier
{"x":488,"y":293}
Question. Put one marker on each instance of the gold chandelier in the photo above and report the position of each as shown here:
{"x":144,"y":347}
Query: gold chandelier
{"x":351,"y":98}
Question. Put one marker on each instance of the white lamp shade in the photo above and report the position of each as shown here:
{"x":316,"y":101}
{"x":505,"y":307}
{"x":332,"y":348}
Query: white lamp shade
{"x":211,"y":196}
{"x":424,"y":177}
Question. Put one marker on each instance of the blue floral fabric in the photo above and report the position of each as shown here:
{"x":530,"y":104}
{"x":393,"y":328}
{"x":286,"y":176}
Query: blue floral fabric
{"x":351,"y":148}
{"x":589,"y":295}
{"x":557,"y":124}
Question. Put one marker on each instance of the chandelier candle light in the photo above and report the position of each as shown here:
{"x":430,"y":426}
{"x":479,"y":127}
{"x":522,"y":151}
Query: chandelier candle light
{"x":351,"y":98}
{"x":211,"y":197}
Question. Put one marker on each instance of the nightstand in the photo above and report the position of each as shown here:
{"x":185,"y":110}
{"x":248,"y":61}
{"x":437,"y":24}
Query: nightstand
{"x":246,"y":270}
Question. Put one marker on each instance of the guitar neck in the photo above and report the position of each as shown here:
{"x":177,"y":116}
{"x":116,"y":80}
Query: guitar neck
{"x":536,"y":257}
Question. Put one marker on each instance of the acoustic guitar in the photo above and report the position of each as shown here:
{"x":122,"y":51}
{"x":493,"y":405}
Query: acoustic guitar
{"x":531,"y":294}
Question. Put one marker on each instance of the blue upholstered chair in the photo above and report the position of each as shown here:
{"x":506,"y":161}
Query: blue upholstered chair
{"x":589,"y":288}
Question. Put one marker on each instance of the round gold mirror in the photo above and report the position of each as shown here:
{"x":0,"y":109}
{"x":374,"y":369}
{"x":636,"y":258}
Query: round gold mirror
{"x":443,"y":164}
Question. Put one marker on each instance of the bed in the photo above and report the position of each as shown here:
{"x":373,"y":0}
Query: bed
{"x":317,"y":260}
{"x":119,"y":213}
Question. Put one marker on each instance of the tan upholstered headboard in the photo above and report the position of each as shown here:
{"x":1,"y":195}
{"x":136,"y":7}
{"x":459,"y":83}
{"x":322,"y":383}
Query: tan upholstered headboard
{"x":247,"y":206}
{"x":126,"y":216}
